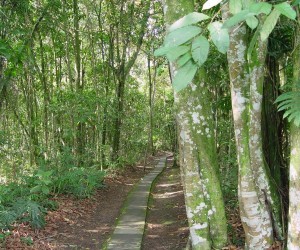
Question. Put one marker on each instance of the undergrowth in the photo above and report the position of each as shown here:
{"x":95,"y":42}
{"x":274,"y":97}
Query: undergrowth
{"x":28,"y":199}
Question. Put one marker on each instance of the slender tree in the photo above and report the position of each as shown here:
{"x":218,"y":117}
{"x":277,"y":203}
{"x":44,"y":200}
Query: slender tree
{"x":294,"y":189}
{"x":130,"y":15}
{"x":258,"y":201}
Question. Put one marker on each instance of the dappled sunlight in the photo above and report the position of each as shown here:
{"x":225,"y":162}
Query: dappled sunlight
{"x":168,"y":195}
{"x":169,"y":185}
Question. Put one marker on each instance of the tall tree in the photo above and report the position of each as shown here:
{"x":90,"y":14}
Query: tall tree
{"x":258,"y":201}
{"x":80,"y":133}
{"x":203,"y":196}
{"x":125,"y":46}
{"x":294,"y":189}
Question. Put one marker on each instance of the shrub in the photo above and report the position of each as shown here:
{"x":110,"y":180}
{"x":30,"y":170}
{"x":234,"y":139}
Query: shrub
{"x":80,"y":182}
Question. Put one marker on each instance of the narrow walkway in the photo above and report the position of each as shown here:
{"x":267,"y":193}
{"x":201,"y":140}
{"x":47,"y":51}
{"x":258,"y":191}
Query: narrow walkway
{"x":130,"y":229}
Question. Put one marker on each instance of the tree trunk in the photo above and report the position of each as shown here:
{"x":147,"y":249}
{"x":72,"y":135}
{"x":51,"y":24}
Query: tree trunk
{"x":294,"y":192}
{"x":259,"y":203}
{"x":151,"y":104}
{"x":123,"y":60}
{"x":80,"y":127}
{"x":198,"y":159}
{"x":3,"y":64}
{"x":118,"y":119}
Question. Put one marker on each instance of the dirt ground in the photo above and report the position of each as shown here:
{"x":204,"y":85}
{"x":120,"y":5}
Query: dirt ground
{"x":87,"y":223}
{"x":166,"y":226}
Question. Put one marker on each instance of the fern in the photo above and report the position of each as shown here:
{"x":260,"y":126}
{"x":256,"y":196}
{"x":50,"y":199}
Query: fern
{"x":30,"y":211}
{"x":289,"y":102}
{"x":80,"y":182}
{"x":7,"y":217}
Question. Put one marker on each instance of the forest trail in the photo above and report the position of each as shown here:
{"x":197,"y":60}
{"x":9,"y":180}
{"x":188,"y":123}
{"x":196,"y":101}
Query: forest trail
{"x":130,"y":229}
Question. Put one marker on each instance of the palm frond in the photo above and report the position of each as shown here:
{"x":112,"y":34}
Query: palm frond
{"x":289,"y":102}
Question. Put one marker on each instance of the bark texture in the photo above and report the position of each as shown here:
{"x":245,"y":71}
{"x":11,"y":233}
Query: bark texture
{"x":203,"y":196}
{"x":258,"y":201}
{"x":294,"y":192}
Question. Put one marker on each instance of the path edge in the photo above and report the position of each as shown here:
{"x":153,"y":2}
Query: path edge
{"x":126,"y":202}
{"x":149,"y":196}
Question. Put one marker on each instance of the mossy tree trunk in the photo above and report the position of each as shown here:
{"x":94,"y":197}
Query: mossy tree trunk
{"x":198,"y":158}
{"x":258,"y":199}
{"x":294,"y":191}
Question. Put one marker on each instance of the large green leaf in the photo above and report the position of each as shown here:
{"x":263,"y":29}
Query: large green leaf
{"x":184,"y":59}
{"x":237,"y":18}
{"x":269,"y":24}
{"x":259,"y":8}
{"x":248,"y":3}
{"x":219,"y":36}
{"x":253,"y":42}
{"x":200,"y":49}
{"x":210,"y":3}
{"x":252,"y":22}
{"x":181,"y":36}
{"x":162,"y":51}
{"x":184,"y":76}
{"x":286,"y":10}
{"x":187,"y":20}
{"x":235,"y":6}
{"x":176,"y":52}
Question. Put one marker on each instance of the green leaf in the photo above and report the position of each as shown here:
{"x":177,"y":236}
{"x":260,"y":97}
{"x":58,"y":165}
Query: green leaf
{"x":259,"y":8}
{"x":286,"y":10}
{"x":248,"y":3}
{"x":237,"y":18}
{"x":290,"y":103}
{"x":252,"y":22}
{"x":219,"y":36}
{"x":200,"y":49}
{"x":269,"y":24}
{"x":284,"y":96}
{"x":294,"y":114}
{"x":252,"y":43}
{"x":162,"y":51}
{"x":287,"y":113}
{"x":210,"y":3}
{"x":235,"y":6}
{"x":176,"y":52}
{"x":184,"y":59}
{"x":45,"y":190}
{"x":184,"y":76}
{"x":181,"y":36}
{"x":187,"y":20}
{"x":296,"y":2}
{"x":297,"y":120}
{"x":36,"y":189}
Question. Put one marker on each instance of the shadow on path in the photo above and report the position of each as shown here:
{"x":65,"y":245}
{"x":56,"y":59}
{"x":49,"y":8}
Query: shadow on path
{"x":128,"y":233}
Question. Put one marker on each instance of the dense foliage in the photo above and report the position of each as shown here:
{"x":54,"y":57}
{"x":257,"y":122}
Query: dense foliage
{"x":80,"y":93}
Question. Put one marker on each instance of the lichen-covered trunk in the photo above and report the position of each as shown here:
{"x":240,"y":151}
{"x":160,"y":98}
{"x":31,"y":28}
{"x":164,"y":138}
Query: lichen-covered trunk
{"x":204,"y":201}
{"x":196,"y":207}
{"x":199,"y":109}
{"x":294,"y":192}
{"x":203,"y":196}
{"x":266,"y":190}
{"x":255,"y":195}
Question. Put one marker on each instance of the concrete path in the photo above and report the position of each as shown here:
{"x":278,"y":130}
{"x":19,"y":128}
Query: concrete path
{"x":130,"y":229}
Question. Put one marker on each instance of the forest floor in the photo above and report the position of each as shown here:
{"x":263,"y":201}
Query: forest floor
{"x":88,"y":223}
